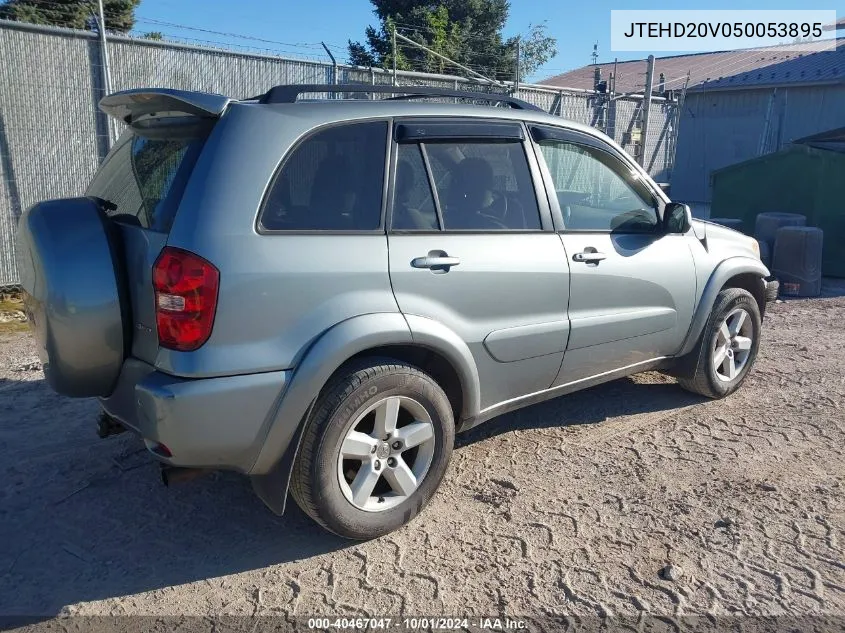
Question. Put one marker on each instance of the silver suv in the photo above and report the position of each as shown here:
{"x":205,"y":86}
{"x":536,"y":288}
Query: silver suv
{"x":320,"y":294}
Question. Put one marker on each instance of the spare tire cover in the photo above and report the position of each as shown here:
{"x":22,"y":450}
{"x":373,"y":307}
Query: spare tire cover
{"x":73,"y":294}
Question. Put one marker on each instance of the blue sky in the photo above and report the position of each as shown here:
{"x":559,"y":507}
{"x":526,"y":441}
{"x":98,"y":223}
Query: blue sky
{"x":295,"y":27}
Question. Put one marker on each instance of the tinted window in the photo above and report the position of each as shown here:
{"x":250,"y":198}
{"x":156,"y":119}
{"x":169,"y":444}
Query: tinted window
{"x":413,"y":205}
{"x":142,"y":179}
{"x":596,"y":191}
{"x":332,"y":181}
{"x":483,"y":186}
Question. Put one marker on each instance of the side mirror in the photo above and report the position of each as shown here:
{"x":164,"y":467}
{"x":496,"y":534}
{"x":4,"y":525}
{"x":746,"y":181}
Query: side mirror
{"x":677,"y":218}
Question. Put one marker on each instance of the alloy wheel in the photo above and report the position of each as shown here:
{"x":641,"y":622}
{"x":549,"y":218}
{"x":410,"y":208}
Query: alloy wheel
{"x":386,"y":453}
{"x":732,"y":346}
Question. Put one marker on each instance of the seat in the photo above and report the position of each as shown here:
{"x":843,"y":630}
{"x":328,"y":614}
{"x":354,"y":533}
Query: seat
{"x":471,"y":201}
{"x":333,"y":194}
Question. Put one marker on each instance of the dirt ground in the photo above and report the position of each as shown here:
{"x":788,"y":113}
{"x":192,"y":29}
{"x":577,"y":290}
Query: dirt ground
{"x":574,"y":507}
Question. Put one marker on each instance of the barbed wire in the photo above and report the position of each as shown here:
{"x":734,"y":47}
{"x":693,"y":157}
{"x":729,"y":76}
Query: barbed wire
{"x":229,"y":34}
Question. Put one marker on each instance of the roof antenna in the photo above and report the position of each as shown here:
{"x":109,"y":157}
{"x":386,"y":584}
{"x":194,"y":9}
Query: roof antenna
{"x":595,"y":54}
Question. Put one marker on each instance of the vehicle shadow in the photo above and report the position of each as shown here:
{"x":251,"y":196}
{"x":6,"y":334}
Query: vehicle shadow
{"x":85,"y":519}
{"x":82,"y":518}
{"x":622,"y":397}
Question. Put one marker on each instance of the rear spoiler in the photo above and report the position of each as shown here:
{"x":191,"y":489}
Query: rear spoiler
{"x":129,"y":105}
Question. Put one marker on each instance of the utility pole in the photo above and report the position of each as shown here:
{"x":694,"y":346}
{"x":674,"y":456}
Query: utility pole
{"x":334,"y":67}
{"x":469,"y":71}
{"x":649,"y":80}
{"x":104,"y":56}
{"x":394,"y":55}
{"x":611,"y":105}
{"x":676,"y":124}
{"x":516,"y":81}
{"x":612,"y":90}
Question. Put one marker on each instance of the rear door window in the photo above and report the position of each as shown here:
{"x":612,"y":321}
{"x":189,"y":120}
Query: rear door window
{"x":484,"y":186}
{"x":413,"y":207}
{"x":481,"y":185}
{"x":142,"y":179}
{"x":332,"y":181}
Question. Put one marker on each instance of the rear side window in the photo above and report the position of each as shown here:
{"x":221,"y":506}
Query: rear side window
{"x":143,"y":179}
{"x":332,"y":181}
{"x":480,"y":186}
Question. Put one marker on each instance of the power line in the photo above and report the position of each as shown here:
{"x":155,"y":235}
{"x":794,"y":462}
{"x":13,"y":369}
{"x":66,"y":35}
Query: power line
{"x":419,"y":28}
{"x":228,"y":34}
{"x":476,"y":66}
{"x":224,"y":47}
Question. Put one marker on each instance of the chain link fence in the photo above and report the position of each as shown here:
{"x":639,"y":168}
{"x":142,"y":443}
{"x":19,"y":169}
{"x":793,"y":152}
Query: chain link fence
{"x":53,"y":137}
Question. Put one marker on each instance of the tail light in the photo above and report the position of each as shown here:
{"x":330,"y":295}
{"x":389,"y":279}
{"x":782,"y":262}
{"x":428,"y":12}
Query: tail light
{"x":186,"y":299}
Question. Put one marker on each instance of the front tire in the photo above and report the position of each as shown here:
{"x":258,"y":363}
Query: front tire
{"x":375,"y":449}
{"x":728,"y":345}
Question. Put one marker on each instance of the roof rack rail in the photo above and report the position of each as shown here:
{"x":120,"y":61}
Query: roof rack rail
{"x":289,"y":93}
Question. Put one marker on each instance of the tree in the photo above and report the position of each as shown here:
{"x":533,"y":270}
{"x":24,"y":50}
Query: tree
{"x":466,"y":31}
{"x":445,"y":38}
{"x":535,"y":49}
{"x":74,"y":14}
{"x":153,"y":35}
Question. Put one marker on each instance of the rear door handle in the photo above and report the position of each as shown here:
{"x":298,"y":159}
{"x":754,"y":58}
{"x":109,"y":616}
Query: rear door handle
{"x":435,"y":260}
{"x":589,"y":256}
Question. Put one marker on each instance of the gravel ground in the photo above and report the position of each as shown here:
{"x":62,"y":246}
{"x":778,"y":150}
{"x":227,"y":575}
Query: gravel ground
{"x":632,"y":497}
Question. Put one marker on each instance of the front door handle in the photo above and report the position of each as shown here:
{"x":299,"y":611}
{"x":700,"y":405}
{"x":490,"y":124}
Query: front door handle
{"x":589,"y":256}
{"x":436,"y":260}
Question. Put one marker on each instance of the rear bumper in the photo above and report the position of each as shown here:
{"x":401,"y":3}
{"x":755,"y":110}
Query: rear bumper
{"x":772,"y":288}
{"x":204,"y":423}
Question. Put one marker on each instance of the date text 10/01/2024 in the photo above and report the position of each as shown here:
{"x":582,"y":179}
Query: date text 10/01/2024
{"x":412,"y":623}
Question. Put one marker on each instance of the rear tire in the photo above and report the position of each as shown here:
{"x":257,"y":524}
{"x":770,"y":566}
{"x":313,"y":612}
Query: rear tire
{"x":375,"y":449}
{"x":728,"y":346}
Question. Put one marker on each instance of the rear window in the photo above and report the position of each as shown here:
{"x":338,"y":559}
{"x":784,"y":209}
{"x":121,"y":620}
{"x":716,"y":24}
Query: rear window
{"x":142,"y":179}
{"x":332,"y":181}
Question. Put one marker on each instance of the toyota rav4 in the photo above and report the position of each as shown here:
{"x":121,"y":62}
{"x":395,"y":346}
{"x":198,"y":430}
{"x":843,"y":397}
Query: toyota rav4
{"x":320,"y":293}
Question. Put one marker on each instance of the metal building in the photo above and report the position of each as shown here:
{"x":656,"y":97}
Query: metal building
{"x":742,"y":115}
{"x":737,"y":104}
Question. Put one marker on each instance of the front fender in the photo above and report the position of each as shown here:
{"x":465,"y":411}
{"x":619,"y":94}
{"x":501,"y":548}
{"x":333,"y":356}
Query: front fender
{"x":721,"y":275}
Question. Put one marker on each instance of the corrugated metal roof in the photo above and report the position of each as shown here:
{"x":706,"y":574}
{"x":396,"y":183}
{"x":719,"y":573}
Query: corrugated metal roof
{"x":831,"y":140}
{"x":837,"y":134}
{"x":726,"y":70}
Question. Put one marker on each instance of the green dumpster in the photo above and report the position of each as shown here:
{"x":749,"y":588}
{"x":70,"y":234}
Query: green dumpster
{"x":806,"y":177}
